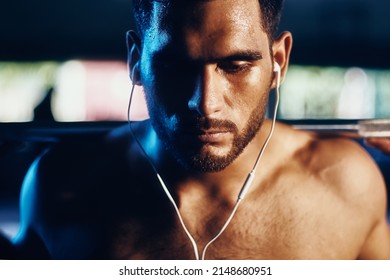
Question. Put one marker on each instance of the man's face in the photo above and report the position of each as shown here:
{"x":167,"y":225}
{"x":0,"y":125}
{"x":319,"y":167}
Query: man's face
{"x":206,"y":69}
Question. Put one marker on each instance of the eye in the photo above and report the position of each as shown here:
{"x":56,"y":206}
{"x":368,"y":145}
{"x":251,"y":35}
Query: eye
{"x":165,"y":64}
{"x":233,"y":67}
{"x":174,"y":66}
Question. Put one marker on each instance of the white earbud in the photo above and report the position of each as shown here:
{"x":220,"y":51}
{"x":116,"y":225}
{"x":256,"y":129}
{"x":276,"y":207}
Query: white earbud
{"x":276,"y":67}
{"x":244,"y":188}
{"x":134,"y":76}
{"x":277,"y":71}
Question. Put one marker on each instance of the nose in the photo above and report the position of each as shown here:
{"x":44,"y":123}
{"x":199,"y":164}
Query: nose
{"x":207,"y":98}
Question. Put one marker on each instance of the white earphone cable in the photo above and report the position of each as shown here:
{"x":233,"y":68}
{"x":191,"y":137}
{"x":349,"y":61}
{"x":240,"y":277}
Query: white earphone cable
{"x":164,"y":187}
{"x":251,"y":175}
{"x":242,"y":192}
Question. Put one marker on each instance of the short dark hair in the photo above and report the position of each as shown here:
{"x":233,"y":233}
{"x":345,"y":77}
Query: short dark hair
{"x":271,"y":12}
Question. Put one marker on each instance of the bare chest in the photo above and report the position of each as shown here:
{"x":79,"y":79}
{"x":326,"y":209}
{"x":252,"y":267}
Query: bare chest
{"x":269,"y":232}
{"x":292,"y":223}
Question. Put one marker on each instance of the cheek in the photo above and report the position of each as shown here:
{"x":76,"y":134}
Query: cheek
{"x":169,"y":91}
{"x":158,"y":108}
{"x":248,"y":93}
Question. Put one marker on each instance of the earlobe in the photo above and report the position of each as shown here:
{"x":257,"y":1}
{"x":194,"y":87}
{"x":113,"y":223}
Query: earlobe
{"x":134,"y":55}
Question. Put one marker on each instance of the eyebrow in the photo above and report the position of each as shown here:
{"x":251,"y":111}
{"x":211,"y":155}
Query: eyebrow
{"x":240,"y":55}
{"x":245,"y":55}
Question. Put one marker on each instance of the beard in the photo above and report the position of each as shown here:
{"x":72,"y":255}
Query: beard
{"x":195,"y":155}
{"x":207,"y":162}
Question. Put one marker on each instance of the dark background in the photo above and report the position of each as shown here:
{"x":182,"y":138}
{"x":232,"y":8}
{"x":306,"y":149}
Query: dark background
{"x":326,"y":32}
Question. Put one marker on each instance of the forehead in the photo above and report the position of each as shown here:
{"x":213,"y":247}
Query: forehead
{"x":202,"y":25}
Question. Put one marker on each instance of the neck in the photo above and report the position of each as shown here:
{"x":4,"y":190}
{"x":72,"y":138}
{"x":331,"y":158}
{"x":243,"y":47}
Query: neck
{"x":218,"y":183}
{"x":225,"y":184}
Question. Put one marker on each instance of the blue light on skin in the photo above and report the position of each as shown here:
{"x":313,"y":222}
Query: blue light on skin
{"x":81,"y":239}
{"x":27,"y":198}
{"x":151,"y":142}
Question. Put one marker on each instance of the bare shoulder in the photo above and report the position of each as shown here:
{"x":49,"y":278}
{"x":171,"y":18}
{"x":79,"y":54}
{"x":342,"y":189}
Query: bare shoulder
{"x":55,"y":189}
{"x":77,"y":168}
{"x":341,"y":161}
{"x":359,"y":182}
{"x":72,"y":183}
{"x":350,"y":173}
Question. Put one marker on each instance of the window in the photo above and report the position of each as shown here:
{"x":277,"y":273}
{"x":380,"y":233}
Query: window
{"x":310,"y":92}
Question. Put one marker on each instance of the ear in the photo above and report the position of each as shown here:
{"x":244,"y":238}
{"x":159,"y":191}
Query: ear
{"x":281,"y":51}
{"x":134,"y":56}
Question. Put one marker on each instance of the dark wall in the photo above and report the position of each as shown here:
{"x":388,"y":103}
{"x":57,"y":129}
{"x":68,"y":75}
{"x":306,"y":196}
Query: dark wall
{"x":326,"y":32}
{"x":43,"y":29}
{"x":339,"y":32}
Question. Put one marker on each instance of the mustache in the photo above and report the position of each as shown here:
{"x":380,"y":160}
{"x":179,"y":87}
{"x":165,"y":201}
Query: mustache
{"x":204,"y":124}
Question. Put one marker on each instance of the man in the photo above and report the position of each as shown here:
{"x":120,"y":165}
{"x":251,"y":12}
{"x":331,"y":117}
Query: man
{"x":206,"y":67}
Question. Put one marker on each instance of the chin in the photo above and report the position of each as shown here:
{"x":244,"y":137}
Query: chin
{"x":207,"y":162}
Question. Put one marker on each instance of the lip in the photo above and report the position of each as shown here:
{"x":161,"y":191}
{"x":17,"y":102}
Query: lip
{"x":212,"y":136}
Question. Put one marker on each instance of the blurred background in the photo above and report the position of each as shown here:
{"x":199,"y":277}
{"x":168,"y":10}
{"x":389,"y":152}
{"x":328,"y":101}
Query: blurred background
{"x":65,"y":61}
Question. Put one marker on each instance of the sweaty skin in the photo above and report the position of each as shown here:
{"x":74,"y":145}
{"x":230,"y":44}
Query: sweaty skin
{"x":313,"y":199}
{"x":206,"y":69}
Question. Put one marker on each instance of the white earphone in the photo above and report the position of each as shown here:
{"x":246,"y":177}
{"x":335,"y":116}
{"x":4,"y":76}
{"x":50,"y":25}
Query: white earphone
{"x":277,"y":70}
{"x":133,"y":77}
{"x":276,"y":67}
{"x":245,"y":187}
